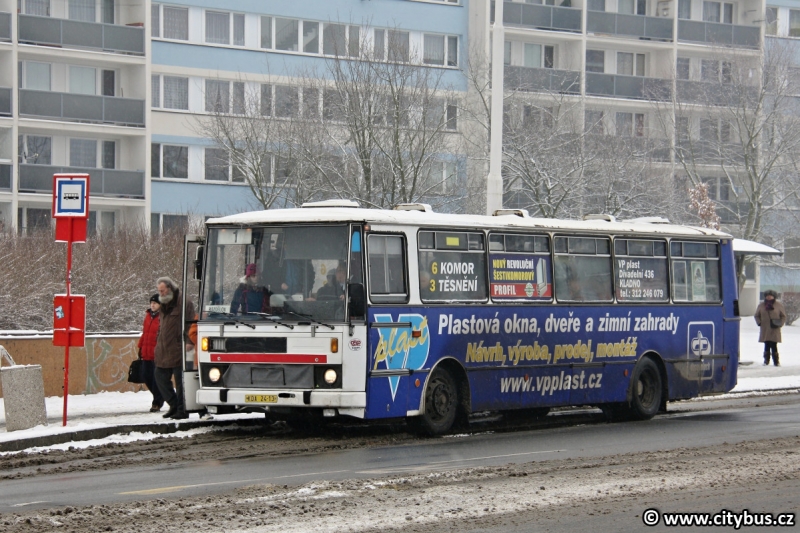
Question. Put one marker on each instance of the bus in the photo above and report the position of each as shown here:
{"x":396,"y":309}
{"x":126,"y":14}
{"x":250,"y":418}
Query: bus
{"x":407,"y":313}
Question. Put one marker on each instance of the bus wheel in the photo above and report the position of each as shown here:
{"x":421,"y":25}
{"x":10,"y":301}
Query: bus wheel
{"x":647,"y":390}
{"x":441,"y":404}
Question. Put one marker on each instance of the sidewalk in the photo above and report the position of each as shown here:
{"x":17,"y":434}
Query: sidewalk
{"x":99,"y":416}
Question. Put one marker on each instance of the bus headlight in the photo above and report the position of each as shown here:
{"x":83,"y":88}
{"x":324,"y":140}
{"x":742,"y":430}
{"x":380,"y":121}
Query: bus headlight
{"x":214,"y":374}
{"x":330,"y":376}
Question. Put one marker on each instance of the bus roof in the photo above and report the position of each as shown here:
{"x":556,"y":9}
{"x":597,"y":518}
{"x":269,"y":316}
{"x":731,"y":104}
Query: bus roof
{"x":423,"y":218}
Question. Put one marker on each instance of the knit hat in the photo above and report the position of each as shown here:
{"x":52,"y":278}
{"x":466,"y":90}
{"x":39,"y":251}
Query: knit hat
{"x":154,"y":298}
{"x":250,"y":269}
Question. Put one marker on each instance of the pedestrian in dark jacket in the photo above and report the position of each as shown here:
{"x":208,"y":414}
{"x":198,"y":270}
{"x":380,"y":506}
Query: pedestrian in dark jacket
{"x":147,"y":352}
{"x":169,"y":346}
{"x":770,"y":316}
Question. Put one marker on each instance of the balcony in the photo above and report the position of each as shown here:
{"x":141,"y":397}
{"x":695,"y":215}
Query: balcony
{"x":5,"y":101}
{"x":635,"y":87}
{"x":711,"y":93}
{"x":5,"y":176}
{"x":542,"y":80}
{"x":719,"y":34}
{"x":102,"y":181}
{"x":5,"y":27}
{"x":649,"y":28}
{"x":701,"y":152}
{"x":82,"y":107}
{"x":78,"y":34}
{"x":541,"y":17}
{"x":639,"y":148}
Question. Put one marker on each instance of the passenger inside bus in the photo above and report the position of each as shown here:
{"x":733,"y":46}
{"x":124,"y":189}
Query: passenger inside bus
{"x":250,"y":297}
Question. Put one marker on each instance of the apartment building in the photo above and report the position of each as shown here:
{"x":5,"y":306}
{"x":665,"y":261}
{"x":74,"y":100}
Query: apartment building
{"x":207,"y":55}
{"x":72,"y":99}
{"x":622,"y":60}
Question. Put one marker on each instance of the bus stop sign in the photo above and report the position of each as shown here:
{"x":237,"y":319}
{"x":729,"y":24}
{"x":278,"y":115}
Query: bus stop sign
{"x":71,"y":206}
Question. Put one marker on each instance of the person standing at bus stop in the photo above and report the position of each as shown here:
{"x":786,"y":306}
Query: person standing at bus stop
{"x":146,"y":351}
{"x":770,"y":316}
{"x":169,"y":346}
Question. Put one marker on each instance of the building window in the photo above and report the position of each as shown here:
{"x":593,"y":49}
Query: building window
{"x":399,"y":47}
{"x":310,"y":37}
{"x":155,"y":90}
{"x":718,"y":12}
{"x":155,"y":160}
{"x":379,"y":45}
{"x":109,"y":155}
{"x":238,"y":101}
{"x":218,"y":29}
{"x":433,"y":49}
{"x":630,"y":124}
{"x":685,"y":9}
{"x":629,"y":64}
{"x":310,"y":103}
{"x":218,"y":96}
{"x":593,"y":122}
{"x":266,"y":100}
{"x":176,"y":23}
{"x":682,"y":128}
{"x":177,"y":223}
{"x":441,"y":178}
{"x":507,"y":53}
{"x":83,"y":10}
{"x":286,"y":34}
{"x":176,"y":162}
{"x":37,"y":76}
{"x":83,"y":153}
{"x":709,"y":70}
{"x":35,"y":149}
{"x":176,"y":93}
{"x":37,"y":7}
{"x":771,"y":21}
{"x":82,"y":80}
{"x":794,"y":23}
{"x":238,"y":29}
{"x":597,"y":5}
{"x":682,"y":68}
{"x":155,"y":20}
{"x":451,"y":117}
{"x":285,"y":101}
{"x":595,"y":61}
{"x":217,"y":165}
{"x":266,"y":32}
{"x":632,"y":7}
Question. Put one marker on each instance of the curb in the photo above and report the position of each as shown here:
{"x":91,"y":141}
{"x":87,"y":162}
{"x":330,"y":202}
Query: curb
{"x":103,"y":432}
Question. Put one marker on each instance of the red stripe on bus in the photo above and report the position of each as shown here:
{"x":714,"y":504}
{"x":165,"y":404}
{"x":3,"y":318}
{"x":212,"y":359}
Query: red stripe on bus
{"x":268,"y":358}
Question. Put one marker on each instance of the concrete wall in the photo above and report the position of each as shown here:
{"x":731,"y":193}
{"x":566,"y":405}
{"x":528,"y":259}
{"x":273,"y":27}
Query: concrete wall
{"x":102,"y":365}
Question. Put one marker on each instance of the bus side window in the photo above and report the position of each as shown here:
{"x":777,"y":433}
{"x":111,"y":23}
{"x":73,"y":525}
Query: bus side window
{"x":387,"y":269}
{"x":695,"y":271}
{"x":583,"y":273}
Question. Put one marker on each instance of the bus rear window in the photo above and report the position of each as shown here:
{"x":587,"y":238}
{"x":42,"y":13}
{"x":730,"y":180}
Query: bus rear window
{"x":583,"y":269}
{"x":695,"y":271}
{"x":452,"y":266}
{"x":640,"y":268}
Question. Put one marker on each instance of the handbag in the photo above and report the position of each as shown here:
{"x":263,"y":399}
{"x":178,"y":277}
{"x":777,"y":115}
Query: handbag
{"x":775,"y":323}
{"x":135,"y":372}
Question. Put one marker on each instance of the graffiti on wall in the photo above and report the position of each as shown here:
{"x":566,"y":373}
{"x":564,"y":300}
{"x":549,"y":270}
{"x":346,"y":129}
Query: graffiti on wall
{"x":107,"y":365}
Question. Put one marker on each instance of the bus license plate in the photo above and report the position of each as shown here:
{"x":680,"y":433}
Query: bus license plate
{"x":261,"y":398}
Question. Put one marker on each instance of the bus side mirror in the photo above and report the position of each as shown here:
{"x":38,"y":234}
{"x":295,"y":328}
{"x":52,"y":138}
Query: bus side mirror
{"x":198,"y":263}
{"x":358,"y":302}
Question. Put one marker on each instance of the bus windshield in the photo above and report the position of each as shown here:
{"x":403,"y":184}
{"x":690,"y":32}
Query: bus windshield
{"x":281,"y":273}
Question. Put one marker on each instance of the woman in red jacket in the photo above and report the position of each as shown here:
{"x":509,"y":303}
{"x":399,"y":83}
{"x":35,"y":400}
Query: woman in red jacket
{"x":147,"y":350}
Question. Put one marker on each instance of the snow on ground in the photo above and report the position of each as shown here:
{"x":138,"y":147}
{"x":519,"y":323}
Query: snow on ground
{"x":129,"y":408}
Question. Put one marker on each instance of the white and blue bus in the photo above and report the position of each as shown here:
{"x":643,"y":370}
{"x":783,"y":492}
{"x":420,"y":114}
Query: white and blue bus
{"x":332,"y":310}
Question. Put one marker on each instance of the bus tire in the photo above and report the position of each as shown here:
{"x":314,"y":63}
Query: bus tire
{"x":441,"y":405}
{"x":646,"y":390}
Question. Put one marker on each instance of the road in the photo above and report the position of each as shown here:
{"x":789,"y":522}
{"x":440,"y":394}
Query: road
{"x":576,"y":442}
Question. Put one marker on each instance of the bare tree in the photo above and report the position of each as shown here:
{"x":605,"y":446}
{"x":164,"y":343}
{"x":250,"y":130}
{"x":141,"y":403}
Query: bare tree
{"x":738,"y":131}
{"x":558,"y":158}
{"x":373,"y":123}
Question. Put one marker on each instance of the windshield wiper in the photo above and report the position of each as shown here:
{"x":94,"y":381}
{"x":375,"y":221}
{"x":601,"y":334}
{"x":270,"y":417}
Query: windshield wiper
{"x":271,"y":319}
{"x":303,"y":315}
{"x":236,"y":321}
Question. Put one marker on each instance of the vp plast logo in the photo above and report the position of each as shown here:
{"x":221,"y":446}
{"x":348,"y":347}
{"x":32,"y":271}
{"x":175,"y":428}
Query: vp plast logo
{"x":700,"y":339}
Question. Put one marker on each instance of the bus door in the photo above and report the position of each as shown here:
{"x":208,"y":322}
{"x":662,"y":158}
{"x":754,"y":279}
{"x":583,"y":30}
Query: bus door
{"x":193,"y":252}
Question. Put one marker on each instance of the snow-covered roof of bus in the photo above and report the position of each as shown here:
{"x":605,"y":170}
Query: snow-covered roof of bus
{"x":383,"y":216}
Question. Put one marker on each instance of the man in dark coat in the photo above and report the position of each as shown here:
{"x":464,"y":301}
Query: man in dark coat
{"x":770,"y":316}
{"x":169,"y":346}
